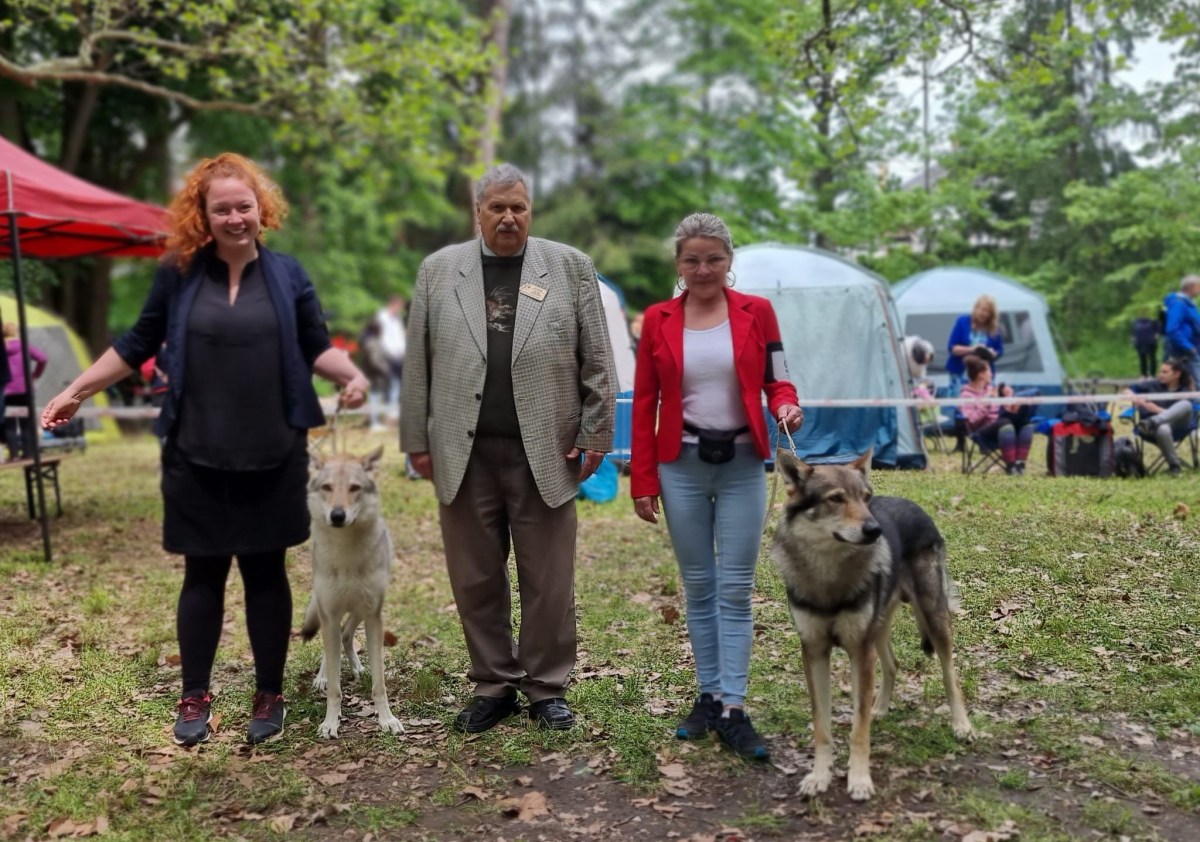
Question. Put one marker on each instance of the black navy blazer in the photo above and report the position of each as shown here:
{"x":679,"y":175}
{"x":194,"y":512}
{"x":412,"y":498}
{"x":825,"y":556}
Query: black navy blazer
{"x":302,"y":332}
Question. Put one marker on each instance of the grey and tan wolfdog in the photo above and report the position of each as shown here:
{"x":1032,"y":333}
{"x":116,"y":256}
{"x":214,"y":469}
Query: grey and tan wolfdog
{"x":848,"y":560}
{"x":352,"y":559}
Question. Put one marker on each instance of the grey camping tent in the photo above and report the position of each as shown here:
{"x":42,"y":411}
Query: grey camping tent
{"x":930,"y":301}
{"x":841,"y":337}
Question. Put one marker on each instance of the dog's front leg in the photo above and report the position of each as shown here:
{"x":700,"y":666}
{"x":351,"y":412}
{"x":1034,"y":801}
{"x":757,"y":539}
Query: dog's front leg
{"x":862,"y":686}
{"x":332,"y":662}
{"x":816,"y":676}
{"x":349,"y":627}
{"x":387,"y":722}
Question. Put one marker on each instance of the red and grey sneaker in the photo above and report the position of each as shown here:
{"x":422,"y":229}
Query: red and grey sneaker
{"x":267,"y":722}
{"x":191,"y":723}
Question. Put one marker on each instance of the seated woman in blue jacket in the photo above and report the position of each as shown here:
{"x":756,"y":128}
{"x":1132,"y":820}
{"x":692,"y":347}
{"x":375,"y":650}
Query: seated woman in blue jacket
{"x":246,"y":334}
{"x":975,"y":333}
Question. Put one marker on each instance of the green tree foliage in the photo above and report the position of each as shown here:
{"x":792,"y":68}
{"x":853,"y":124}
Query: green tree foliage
{"x":674,"y":109}
{"x":364,"y":106}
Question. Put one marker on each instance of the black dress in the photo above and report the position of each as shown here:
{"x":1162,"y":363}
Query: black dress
{"x":234,"y":471}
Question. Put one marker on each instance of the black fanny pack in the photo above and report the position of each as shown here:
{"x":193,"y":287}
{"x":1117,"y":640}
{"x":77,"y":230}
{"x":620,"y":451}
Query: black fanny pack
{"x":716,"y":446}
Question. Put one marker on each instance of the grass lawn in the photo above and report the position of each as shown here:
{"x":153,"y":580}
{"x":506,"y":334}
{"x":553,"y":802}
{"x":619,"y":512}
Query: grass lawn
{"x":1078,"y":646}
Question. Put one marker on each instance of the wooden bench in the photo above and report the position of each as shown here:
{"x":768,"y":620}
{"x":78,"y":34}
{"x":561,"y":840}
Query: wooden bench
{"x":49,"y":470}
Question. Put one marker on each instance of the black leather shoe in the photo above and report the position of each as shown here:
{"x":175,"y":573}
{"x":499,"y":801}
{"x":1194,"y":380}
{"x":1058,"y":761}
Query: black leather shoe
{"x":485,"y":712}
{"x":552,"y":714}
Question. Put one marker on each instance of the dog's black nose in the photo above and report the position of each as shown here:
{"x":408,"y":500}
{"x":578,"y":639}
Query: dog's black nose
{"x":871,"y":530}
{"x":337,"y":516}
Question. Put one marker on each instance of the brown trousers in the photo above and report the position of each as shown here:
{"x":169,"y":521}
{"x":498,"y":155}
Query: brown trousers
{"x":497,"y":504}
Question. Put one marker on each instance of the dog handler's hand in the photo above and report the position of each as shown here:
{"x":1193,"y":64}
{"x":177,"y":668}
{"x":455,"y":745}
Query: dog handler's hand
{"x":591,"y":461}
{"x":354,"y":393}
{"x":422,"y":463}
{"x":60,"y":410}
{"x":791,"y":417}
{"x":646,"y":508}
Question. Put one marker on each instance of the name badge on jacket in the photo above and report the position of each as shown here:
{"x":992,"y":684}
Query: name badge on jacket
{"x":533,"y":291}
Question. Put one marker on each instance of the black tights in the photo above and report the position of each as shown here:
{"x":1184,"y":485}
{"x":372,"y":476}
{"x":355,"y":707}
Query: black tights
{"x":202,"y":611}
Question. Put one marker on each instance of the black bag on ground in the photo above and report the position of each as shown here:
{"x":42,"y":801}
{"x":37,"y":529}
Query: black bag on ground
{"x":1079,"y":450}
{"x":1127,"y":461}
{"x":716,"y":446}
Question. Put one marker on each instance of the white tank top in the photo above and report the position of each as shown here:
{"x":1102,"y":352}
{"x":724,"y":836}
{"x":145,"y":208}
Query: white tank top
{"x":712,"y":396}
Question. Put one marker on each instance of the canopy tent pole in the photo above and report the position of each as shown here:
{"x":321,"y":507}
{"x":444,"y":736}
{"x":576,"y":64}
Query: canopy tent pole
{"x":32,"y":420}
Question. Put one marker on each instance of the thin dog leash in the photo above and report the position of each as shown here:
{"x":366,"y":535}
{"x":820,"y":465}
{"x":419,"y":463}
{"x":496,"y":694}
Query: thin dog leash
{"x":775,"y":479}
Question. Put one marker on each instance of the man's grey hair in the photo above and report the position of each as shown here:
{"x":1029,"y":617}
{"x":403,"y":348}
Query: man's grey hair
{"x":703,"y":225}
{"x":501,"y":175}
{"x":1188,"y":282}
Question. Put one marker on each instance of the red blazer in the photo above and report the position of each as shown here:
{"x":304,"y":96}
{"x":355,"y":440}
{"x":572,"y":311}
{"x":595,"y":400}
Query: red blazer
{"x":658,"y":381}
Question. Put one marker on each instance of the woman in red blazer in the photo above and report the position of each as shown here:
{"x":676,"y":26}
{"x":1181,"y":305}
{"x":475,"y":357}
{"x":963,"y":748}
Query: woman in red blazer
{"x":699,"y":441}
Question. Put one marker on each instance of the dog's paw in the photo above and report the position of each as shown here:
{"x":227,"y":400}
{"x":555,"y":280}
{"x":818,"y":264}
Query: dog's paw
{"x":860,"y":787}
{"x":319,"y":684}
{"x":964,"y":732}
{"x":816,"y":782}
{"x":390,"y":725}
{"x":879,"y":711}
{"x":328,"y":730}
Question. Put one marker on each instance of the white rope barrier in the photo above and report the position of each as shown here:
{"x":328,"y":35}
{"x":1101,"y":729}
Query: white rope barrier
{"x":807,"y":403}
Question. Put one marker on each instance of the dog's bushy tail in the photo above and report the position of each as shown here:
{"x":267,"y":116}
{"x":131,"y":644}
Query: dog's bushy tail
{"x":312,"y":621}
{"x":950,"y":591}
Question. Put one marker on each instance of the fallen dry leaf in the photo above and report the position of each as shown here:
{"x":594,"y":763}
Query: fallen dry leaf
{"x":675,"y":771}
{"x":283,"y":824}
{"x":333,"y":778}
{"x":528,"y":807}
{"x":670,"y":614}
{"x":474,"y":792}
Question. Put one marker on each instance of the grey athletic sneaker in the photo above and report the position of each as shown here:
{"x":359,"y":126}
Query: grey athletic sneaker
{"x":191,"y":723}
{"x":269,"y":713}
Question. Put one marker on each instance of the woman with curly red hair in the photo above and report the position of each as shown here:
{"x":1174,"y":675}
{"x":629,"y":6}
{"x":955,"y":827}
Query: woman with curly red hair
{"x":247,"y":333}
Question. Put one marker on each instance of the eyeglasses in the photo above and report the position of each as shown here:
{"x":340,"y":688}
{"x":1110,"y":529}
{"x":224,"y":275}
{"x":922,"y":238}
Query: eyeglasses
{"x":714,"y":263}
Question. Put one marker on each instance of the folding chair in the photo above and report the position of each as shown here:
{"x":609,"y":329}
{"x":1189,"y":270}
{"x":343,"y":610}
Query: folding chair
{"x":1187,"y":445}
{"x":980,"y":456}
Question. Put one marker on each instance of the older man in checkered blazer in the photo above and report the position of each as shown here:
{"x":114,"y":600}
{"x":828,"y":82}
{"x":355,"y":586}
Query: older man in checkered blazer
{"x":508,"y":401}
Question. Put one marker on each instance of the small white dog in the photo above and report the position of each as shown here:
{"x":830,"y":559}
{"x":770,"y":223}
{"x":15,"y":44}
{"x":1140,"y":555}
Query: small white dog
{"x":352,"y":558}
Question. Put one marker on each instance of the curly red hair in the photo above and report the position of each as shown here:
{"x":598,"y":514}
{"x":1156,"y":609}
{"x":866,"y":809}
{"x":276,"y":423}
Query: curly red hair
{"x":189,"y":221}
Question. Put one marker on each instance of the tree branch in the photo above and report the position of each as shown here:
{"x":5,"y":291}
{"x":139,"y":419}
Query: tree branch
{"x":190,"y":50}
{"x":30,"y":76}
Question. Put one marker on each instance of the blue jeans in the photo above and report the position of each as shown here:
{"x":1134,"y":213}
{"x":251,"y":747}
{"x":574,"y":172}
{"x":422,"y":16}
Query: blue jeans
{"x":714,"y":516}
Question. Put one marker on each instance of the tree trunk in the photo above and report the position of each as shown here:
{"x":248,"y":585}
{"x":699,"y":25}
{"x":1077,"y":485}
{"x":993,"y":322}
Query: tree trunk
{"x":499,"y":15}
{"x":822,"y":177}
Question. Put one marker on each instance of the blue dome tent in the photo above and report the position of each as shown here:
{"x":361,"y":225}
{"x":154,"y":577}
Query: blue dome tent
{"x":930,"y":301}
{"x":841,"y":336}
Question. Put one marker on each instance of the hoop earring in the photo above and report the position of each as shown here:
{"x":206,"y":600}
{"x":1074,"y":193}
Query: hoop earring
{"x":731,"y":279}
{"x":679,"y":284}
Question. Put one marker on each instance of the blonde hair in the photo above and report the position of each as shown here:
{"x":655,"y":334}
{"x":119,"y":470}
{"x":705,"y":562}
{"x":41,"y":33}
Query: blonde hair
{"x":703,"y":225}
{"x":992,"y":325}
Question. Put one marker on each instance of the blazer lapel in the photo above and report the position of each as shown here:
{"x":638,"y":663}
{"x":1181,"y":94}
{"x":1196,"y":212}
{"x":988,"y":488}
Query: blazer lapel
{"x":471,"y":296}
{"x":740,"y":322}
{"x":672,"y":330}
{"x":533,"y":271}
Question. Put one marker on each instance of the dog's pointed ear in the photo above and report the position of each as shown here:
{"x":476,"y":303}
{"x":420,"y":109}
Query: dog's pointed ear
{"x":863,"y":463}
{"x":370,"y":462}
{"x":795,"y":470}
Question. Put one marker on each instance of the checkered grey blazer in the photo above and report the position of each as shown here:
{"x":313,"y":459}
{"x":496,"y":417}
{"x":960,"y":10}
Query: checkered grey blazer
{"x":564,"y":380}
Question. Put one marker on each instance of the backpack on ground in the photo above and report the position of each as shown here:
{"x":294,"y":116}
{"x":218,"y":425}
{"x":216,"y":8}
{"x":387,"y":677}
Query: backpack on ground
{"x":1127,"y":459}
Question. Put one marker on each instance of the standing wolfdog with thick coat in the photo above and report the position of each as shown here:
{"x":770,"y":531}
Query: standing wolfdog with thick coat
{"x":844,"y":585}
{"x":352,"y":558}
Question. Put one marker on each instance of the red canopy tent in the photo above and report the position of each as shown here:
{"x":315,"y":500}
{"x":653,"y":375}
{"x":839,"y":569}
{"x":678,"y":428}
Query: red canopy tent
{"x":48,"y":213}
